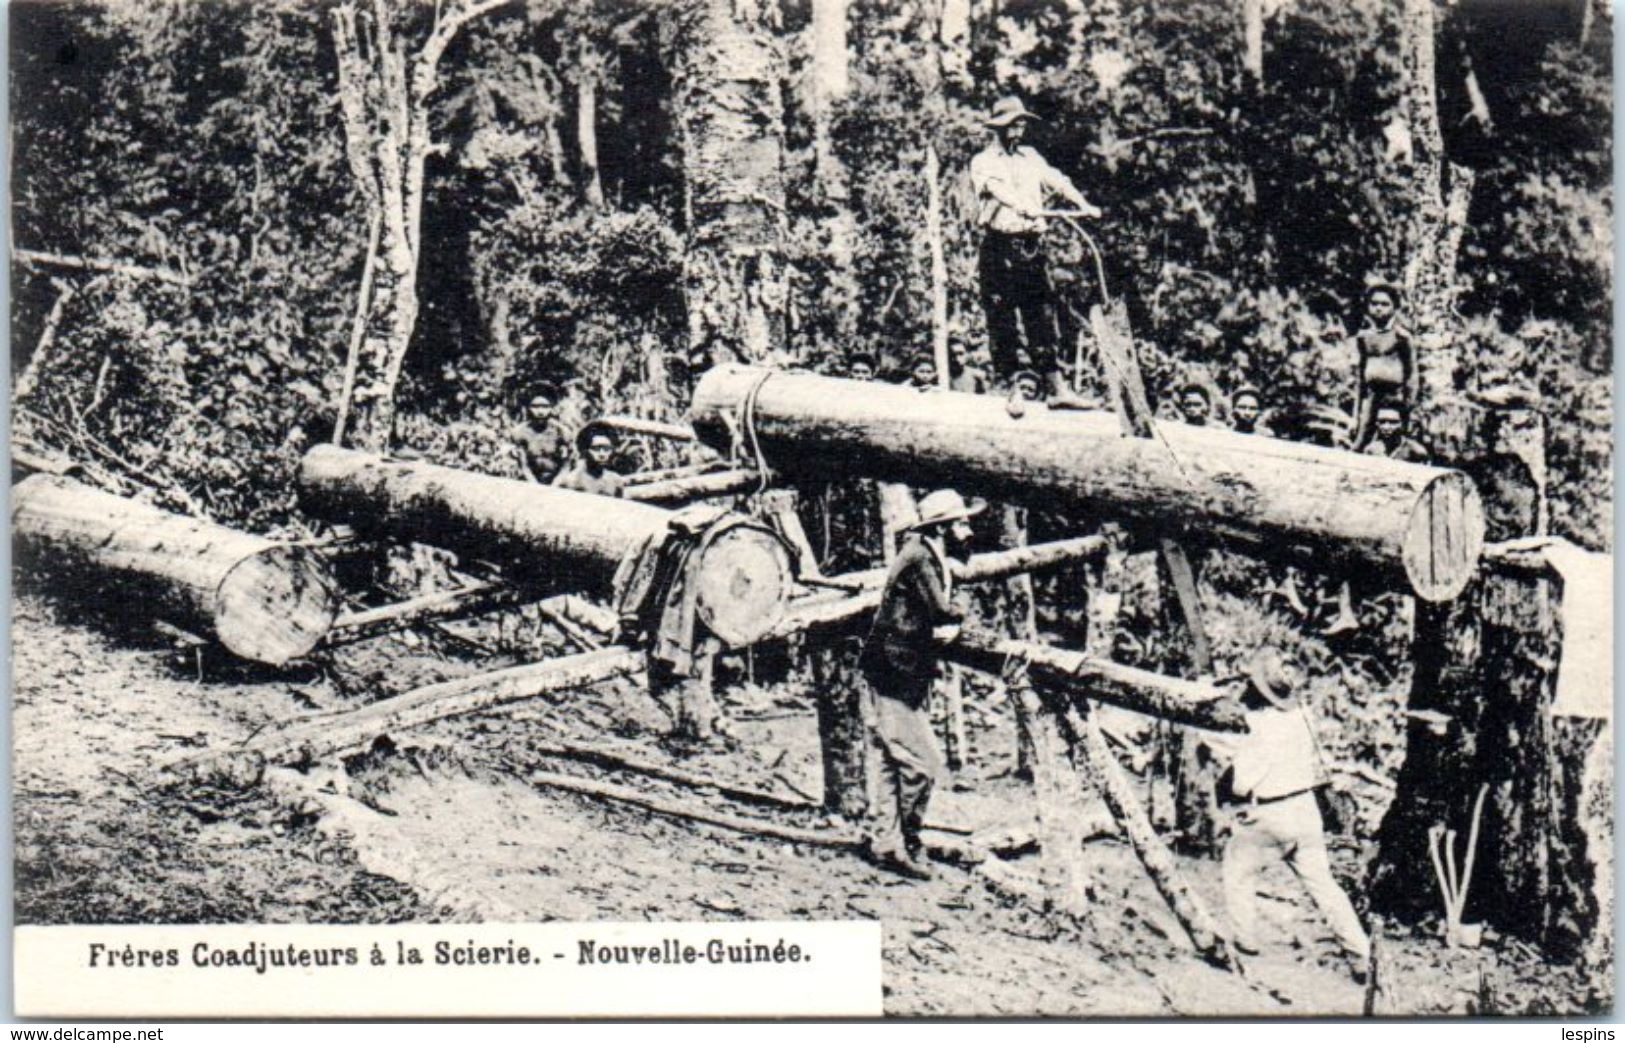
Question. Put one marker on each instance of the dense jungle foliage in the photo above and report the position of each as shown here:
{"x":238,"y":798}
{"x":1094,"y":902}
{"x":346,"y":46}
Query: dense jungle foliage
{"x":201,"y":147}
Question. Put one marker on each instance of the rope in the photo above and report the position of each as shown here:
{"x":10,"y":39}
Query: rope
{"x":1105,"y":356}
{"x":746,"y":427}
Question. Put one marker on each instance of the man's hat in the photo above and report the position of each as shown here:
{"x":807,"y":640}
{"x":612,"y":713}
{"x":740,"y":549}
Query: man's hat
{"x":945,"y":505}
{"x":543,"y":389}
{"x":1269,"y":675}
{"x":1190,"y":387}
{"x":1247,"y":391}
{"x":1006,"y":111}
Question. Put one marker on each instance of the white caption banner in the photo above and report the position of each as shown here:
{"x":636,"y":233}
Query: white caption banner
{"x":813,"y":969}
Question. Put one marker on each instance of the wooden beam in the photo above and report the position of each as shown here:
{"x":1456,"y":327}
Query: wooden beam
{"x":696,"y":487}
{"x":440,"y":606}
{"x":1079,"y":676}
{"x":317,"y":736}
{"x":826,"y":837}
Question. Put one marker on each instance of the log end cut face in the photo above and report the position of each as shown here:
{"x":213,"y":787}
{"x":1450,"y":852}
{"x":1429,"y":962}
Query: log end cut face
{"x":1444,"y":537}
{"x":743,"y":584}
{"x":275,"y":605}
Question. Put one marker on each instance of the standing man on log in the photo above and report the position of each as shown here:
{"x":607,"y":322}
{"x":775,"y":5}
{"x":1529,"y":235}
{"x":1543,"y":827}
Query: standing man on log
{"x":900,"y":664}
{"x":1274,"y":772}
{"x":1011,"y":182}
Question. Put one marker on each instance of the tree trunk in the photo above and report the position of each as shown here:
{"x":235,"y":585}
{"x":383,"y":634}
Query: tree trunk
{"x":309,"y":739}
{"x":592,"y":185}
{"x":384,"y":91}
{"x":728,"y":74}
{"x":843,"y":740}
{"x":1019,"y":612}
{"x":939,"y":267}
{"x":1252,"y":41}
{"x":264,"y":601}
{"x":1056,"y":788}
{"x":41,"y":360}
{"x":541,"y":535}
{"x":1482,"y":702}
{"x":1158,"y":861}
{"x":1422,"y":526}
{"x":1439,"y":194}
{"x":828,"y":85}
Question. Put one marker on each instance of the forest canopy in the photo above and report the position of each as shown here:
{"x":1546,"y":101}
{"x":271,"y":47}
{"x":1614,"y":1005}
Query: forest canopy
{"x":201,"y":192}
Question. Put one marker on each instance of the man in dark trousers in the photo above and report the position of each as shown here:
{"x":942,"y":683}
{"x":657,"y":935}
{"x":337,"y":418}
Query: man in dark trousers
{"x":900,"y":663}
{"x":1012,"y":183}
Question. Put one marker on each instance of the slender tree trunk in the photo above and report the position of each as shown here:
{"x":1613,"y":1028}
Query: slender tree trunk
{"x":728,"y":74}
{"x":592,"y":186}
{"x":40,"y":361}
{"x":1252,"y":41}
{"x":1440,"y":193}
{"x":939,"y":267}
{"x":829,"y":84}
{"x":385,"y":87}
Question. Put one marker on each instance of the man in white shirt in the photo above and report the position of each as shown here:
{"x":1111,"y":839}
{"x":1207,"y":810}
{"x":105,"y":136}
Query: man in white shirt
{"x":1012,"y":183}
{"x":1274,"y":772}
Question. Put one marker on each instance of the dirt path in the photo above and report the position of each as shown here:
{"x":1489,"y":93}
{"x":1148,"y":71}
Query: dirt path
{"x":447,"y":827}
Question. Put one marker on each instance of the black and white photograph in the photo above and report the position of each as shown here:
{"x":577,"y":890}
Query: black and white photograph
{"x":1084,"y":509}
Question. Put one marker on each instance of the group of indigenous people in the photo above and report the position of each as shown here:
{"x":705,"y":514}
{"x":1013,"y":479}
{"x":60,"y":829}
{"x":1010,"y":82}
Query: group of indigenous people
{"x":544,"y":444}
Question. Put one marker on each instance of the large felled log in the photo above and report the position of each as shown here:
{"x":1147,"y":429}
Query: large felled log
{"x":1420,"y":525}
{"x":264,"y":601}
{"x":541,"y":535}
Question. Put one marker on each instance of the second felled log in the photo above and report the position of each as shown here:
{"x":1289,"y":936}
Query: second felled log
{"x":544,"y":536}
{"x":264,"y":601}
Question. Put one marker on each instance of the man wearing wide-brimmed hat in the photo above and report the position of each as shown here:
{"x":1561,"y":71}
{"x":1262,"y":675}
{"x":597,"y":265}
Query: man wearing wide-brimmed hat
{"x":900,"y":663}
{"x":1274,"y":771}
{"x":1012,"y":183}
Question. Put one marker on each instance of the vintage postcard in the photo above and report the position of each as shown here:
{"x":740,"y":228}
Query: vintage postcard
{"x":821,"y":508}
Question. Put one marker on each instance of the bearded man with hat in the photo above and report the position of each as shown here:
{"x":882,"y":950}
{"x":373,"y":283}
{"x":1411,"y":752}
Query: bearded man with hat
{"x":900,"y":664}
{"x":1275,"y":769}
{"x":1012,"y":183}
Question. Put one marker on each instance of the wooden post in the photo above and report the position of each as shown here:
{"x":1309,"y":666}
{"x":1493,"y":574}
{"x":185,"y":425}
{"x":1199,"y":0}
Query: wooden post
{"x":1159,"y":863}
{"x":265,"y":601}
{"x":1422,"y":526}
{"x":1020,"y":614}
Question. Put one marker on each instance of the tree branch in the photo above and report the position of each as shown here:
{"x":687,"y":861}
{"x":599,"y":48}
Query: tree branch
{"x":41,"y":259}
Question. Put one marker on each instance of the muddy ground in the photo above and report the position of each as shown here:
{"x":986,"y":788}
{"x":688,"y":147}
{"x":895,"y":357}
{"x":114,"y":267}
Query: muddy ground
{"x":445,"y":824}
